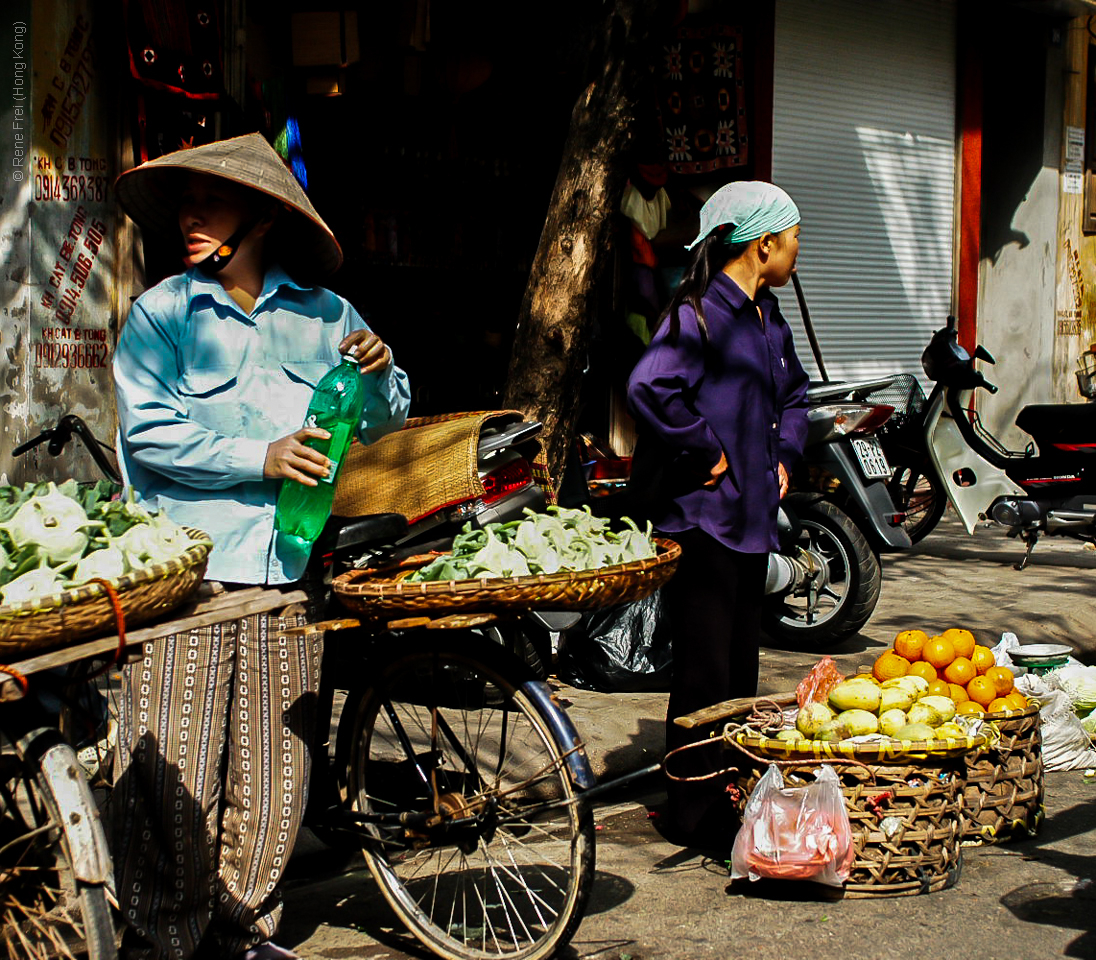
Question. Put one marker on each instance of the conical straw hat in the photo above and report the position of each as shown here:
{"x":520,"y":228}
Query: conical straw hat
{"x":149,"y":194}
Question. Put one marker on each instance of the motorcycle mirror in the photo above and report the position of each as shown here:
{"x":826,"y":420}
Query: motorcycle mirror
{"x":982,"y":353}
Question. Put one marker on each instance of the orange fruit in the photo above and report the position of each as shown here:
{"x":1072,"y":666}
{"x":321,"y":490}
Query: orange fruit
{"x":937,"y":688}
{"x":981,"y":690}
{"x":970,"y":708}
{"x":982,"y":658}
{"x":999,"y":705}
{"x":890,"y":665}
{"x":939,"y":652}
{"x":1017,"y":699}
{"x":960,"y":671}
{"x":958,"y":693}
{"x":1002,"y":679}
{"x":910,"y":643}
{"x":921,"y":669}
{"x":961,"y":640}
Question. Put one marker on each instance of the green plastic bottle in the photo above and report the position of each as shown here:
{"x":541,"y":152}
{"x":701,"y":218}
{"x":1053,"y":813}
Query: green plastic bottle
{"x":336,"y":407}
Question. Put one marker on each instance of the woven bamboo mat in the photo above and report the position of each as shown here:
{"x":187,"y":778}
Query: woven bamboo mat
{"x":429,"y":464}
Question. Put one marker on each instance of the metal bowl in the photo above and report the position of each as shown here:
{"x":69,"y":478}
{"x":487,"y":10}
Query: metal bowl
{"x":1041,"y":654}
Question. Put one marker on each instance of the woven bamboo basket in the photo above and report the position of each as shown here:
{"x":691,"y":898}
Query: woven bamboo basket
{"x":906,"y":822}
{"x":1003,"y":783}
{"x":904,"y":799}
{"x":381,"y":593}
{"x":34,"y":626}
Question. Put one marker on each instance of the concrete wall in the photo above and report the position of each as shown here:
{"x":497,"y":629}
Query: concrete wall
{"x":62,"y":275}
{"x":1022,"y":129}
{"x":1075,"y":303}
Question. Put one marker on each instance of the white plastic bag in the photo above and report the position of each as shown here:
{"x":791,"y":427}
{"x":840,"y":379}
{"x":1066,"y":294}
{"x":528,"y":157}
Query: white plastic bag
{"x":1066,"y":744}
{"x":795,"y":833}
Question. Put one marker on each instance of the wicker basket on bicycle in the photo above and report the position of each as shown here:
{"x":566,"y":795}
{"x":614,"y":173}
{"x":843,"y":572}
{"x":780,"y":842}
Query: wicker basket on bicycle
{"x":904,"y":800}
{"x":34,"y":626}
{"x":1003,"y":783}
{"x":384,"y":592}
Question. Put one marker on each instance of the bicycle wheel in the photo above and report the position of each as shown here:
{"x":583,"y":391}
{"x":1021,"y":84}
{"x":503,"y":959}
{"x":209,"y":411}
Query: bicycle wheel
{"x":494,"y":856}
{"x":89,"y":721}
{"x":46,"y":910}
{"x":918,"y":494}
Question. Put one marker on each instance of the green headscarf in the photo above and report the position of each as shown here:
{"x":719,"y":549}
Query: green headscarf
{"x":753,"y":206}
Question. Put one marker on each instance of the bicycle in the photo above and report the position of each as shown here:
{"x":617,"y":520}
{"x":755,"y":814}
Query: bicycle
{"x":465,"y":786}
{"x":55,"y":869}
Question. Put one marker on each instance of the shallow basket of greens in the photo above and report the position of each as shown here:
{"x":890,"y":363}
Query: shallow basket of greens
{"x":559,"y":560}
{"x":56,"y":542}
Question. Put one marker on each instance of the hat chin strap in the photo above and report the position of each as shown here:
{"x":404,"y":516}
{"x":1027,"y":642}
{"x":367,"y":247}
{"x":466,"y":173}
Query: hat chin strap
{"x":219,"y":258}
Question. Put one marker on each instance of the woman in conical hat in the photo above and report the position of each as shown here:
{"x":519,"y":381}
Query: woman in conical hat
{"x":724,"y":396}
{"x":213,"y":374}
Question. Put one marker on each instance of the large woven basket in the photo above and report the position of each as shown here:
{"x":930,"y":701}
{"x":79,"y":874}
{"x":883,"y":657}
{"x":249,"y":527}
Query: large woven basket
{"x":904,"y":799}
{"x":1003,"y":783}
{"x":381,"y":594}
{"x":905,"y":819}
{"x":34,"y":626}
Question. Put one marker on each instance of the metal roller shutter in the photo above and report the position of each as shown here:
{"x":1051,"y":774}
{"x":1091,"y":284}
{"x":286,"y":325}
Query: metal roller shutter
{"x":864,"y":136}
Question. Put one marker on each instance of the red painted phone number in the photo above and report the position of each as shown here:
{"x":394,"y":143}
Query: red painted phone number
{"x":69,"y":187}
{"x":70,"y":355}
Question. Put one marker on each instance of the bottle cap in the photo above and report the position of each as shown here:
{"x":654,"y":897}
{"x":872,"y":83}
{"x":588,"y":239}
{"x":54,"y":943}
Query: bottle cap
{"x":352,"y":356}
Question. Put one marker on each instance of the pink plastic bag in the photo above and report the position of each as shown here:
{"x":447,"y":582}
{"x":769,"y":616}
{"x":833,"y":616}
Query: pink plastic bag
{"x":795,"y":833}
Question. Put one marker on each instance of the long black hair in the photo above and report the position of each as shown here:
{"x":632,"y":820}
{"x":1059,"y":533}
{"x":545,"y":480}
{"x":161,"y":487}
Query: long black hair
{"x":710,"y":256}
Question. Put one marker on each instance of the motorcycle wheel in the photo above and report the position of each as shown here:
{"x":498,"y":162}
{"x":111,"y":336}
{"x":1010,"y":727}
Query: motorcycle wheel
{"x":847,"y":602}
{"x":918,"y":494}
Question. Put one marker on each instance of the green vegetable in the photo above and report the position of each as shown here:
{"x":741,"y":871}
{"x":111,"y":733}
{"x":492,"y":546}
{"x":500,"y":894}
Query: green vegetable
{"x":55,"y":536}
{"x":542,"y":543}
{"x":53,"y":522}
{"x":109,"y":564}
{"x":36,"y":583}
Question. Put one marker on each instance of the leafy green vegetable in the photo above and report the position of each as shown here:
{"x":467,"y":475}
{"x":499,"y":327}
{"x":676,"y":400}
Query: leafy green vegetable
{"x":560,"y":539}
{"x":35,"y":583}
{"x":56,"y":536}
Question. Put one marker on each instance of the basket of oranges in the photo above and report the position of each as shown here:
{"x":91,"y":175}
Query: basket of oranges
{"x":1003,"y":782}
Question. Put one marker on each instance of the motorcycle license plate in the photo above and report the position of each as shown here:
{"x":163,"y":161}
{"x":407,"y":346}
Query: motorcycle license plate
{"x":873,"y":461}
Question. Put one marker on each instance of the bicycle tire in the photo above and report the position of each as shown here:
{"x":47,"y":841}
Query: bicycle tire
{"x":917,"y":493}
{"x":47,"y":911}
{"x":89,"y":721}
{"x":481,"y":746}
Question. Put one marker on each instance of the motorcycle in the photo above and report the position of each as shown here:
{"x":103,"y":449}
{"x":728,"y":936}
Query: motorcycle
{"x":1047,"y":489}
{"x":824,"y":582}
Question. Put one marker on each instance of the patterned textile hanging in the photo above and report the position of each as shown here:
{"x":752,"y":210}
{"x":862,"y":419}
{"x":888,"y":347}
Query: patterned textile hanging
{"x":702,"y":98}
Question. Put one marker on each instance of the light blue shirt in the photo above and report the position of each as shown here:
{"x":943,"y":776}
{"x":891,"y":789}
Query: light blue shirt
{"x":202,"y":390}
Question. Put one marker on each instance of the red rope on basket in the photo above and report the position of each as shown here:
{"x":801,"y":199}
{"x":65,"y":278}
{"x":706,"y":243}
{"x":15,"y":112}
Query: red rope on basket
{"x":18,"y":677}
{"x":120,"y":624}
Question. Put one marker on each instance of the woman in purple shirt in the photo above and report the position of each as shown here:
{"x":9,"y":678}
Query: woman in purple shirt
{"x":722,"y":389}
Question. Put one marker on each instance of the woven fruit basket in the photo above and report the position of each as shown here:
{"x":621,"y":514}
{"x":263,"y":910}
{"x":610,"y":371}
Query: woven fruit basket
{"x":44,"y":623}
{"x":904,"y":800}
{"x":1003,"y":782}
{"x":385,"y":592}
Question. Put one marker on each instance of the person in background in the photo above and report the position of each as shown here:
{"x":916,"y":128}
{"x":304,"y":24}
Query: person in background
{"x":722,"y":393}
{"x":213,"y":373}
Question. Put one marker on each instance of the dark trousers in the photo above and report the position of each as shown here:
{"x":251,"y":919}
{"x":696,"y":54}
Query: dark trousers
{"x":713,"y":603}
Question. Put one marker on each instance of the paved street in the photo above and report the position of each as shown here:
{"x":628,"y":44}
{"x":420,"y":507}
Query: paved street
{"x":1025,"y":900}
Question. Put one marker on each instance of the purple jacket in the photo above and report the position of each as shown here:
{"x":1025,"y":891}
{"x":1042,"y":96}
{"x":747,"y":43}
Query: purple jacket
{"x":744,"y":394}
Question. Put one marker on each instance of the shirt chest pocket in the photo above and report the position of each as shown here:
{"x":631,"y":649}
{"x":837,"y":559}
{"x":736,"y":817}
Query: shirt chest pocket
{"x":212,"y":397}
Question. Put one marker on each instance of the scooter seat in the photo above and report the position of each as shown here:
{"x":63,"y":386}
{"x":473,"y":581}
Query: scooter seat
{"x":1060,"y":427}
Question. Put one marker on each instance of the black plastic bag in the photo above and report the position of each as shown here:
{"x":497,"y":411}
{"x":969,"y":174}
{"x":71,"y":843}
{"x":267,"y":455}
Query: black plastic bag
{"x":621,"y":649}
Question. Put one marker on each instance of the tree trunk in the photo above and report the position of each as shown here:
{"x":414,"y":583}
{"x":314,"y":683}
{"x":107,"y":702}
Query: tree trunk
{"x":550,"y":344}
